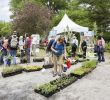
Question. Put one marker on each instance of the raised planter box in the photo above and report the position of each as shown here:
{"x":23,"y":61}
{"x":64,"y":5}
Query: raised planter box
{"x":10,"y":71}
{"x":54,"y":86}
{"x":48,"y":66}
{"x":11,"y":74}
{"x":38,"y":59}
{"x":86,"y":68}
{"x":32,"y":68}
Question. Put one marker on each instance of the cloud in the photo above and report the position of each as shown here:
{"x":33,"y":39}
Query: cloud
{"x":4,"y":10}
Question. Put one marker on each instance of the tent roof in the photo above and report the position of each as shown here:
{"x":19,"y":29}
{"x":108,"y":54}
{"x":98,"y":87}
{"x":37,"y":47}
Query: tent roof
{"x":66,"y":24}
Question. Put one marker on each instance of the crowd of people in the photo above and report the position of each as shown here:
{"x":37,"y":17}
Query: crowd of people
{"x":10,"y":45}
{"x":56,"y":48}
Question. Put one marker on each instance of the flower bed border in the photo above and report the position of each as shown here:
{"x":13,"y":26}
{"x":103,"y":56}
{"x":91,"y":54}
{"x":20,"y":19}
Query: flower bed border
{"x":38,"y":59}
{"x":58,"y":87}
{"x":48,"y":66}
{"x":12,"y":73}
{"x":31,"y":70}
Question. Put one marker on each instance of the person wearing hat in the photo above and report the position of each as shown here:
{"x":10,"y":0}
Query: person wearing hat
{"x":74,"y":45}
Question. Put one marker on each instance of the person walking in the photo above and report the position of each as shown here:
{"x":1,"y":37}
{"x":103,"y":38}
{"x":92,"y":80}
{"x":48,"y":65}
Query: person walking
{"x":59,"y":50}
{"x":13,"y":45}
{"x":100,"y":48}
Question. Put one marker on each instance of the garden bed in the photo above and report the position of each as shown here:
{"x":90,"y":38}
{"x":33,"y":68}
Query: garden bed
{"x":48,"y":66}
{"x":32,"y":68}
{"x":38,"y":59}
{"x":11,"y":71}
{"x":86,"y":68}
{"x":54,"y":86}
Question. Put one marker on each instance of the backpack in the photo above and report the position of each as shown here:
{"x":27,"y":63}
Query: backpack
{"x":59,"y":48}
{"x":14,"y":41}
{"x":50,"y":45}
{"x":74,"y":45}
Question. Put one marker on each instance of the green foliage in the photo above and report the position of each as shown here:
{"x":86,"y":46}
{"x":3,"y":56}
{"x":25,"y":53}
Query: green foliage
{"x":78,"y":71}
{"x":32,"y":68}
{"x":77,"y":13}
{"x":106,"y":36}
{"x":53,"y":86}
{"x":48,"y":88}
{"x":89,"y":64}
{"x":9,"y":70}
{"x":98,"y":12}
{"x":107,"y":46}
{"x":5,"y":28}
{"x":86,"y":67}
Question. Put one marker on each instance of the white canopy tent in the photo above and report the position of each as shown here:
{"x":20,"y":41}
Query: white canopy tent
{"x":67,"y":25}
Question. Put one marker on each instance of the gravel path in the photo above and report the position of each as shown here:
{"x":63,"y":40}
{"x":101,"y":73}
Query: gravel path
{"x":95,"y":86}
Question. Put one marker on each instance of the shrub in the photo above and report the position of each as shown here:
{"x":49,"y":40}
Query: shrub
{"x":107,"y":46}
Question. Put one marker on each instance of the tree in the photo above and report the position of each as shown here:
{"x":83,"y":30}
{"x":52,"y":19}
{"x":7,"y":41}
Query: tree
{"x":54,"y":5}
{"x":5,"y":28}
{"x":99,"y":12}
{"x":77,"y":13}
{"x":31,"y":18}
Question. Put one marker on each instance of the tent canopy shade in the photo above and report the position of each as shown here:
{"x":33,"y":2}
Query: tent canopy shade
{"x":66,"y":25}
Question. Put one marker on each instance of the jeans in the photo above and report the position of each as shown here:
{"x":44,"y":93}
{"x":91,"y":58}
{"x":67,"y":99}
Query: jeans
{"x":28,"y":55}
{"x":13,"y":53}
{"x":101,"y":56}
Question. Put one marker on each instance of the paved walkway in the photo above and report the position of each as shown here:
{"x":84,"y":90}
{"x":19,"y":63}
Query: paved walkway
{"x":95,"y":86}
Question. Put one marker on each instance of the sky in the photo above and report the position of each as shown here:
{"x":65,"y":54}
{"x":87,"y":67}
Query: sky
{"x":4,"y":10}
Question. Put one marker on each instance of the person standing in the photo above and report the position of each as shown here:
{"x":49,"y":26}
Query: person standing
{"x":34,"y":45}
{"x":74,"y":45}
{"x":28,"y":46}
{"x":59,"y":50}
{"x":84,"y":47}
{"x":13,"y":45}
{"x":21,"y":47}
{"x":100,"y":46}
{"x":4,"y":51}
{"x":48,"y":49}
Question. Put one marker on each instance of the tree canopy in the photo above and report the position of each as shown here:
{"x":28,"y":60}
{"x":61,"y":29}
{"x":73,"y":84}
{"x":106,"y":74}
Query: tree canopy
{"x":83,"y":12}
{"x":32,"y":18}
